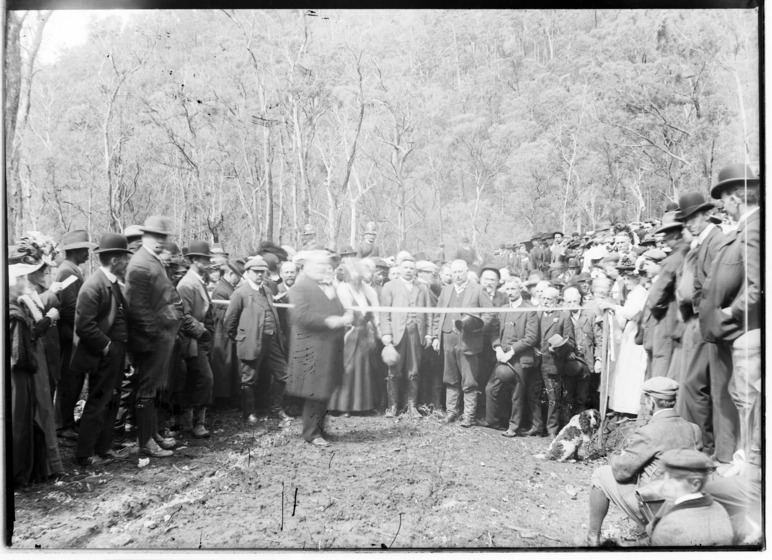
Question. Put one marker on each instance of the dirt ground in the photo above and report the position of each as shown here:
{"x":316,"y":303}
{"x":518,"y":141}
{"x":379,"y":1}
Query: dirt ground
{"x":397,"y":483}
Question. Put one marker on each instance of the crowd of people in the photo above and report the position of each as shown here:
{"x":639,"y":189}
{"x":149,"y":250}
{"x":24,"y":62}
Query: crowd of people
{"x":650,"y":322}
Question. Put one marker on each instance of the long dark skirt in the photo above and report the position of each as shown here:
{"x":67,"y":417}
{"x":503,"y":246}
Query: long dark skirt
{"x":357,"y":392}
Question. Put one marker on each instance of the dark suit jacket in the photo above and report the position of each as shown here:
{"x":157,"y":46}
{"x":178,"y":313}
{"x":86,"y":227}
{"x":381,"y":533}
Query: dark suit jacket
{"x":197,"y":302}
{"x":707,"y":253}
{"x":589,"y":336}
{"x":68,"y":299}
{"x":154,"y":306}
{"x":245,"y":321}
{"x":364,"y":249}
{"x":395,"y":294}
{"x":474,"y":296}
{"x":640,"y":458}
{"x":661,"y":298}
{"x":96,"y":302}
{"x":556,"y":322}
{"x":518,"y":331}
{"x":316,"y":352}
{"x":734,"y":282}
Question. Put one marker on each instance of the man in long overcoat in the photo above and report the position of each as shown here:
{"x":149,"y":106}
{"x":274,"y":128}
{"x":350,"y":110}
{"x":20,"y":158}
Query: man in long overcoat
{"x":316,"y":343}
{"x":225,"y":362}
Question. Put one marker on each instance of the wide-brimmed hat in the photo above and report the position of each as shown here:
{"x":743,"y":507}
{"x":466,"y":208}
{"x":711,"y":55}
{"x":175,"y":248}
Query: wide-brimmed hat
{"x":160,"y":225}
{"x":77,"y":239}
{"x":132,"y":232}
{"x":23,"y":260}
{"x":690,"y":204}
{"x":390,"y":356}
{"x":370,"y":228}
{"x":648,"y":239}
{"x":734,"y":175}
{"x":112,"y":243}
{"x":238,"y":266}
{"x":626,"y":264}
{"x":670,"y":221}
{"x":469,"y":323}
{"x":199,"y":249}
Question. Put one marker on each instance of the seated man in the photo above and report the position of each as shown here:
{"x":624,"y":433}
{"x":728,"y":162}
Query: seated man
{"x":638,"y":462}
{"x":688,"y":517}
{"x":739,"y":490}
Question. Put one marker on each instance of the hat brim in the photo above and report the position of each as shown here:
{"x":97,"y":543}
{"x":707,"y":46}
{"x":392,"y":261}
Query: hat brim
{"x":494,"y":270}
{"x":23,"y":269}
{"x":204,"y":255}
{"x":668,"y":227}
{"x":716,"y":190}
{"x":78,"y":245}
{"x":154,"y":230}
{"x":98,"y":251}
{"x":692,"y":210}
{"x":235,"y":271}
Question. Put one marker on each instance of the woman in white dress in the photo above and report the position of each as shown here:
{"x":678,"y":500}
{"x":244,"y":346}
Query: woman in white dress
{"x":625,"y":389}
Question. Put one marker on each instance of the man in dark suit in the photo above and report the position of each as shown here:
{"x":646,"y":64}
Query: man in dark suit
{"x":694,"y":399}
{"x":588,"y":330}
{"x":196,"y":346}
{"x":316,"y":343}
{"x":432,"y":390}
{"x":730,"y":311}
{"x":460,"y":347}
{"x":253,"y":323}
{"x":553,"y":323}
{"x":367,"y":248}
{"x":490,"y":277}
{"x":226,"y":368}
{"x":75,"y":246}
{"x":405,"y":332}
{"x":102,"y":329}
{"x":155,"y":315}
{"x":618,"y":481}
{"x":515,"y":377}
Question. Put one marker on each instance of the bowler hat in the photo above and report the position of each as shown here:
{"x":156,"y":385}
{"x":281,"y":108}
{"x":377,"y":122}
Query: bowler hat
{"x":218,"y":250}
{"x":132,"y":232}
{"x":671,"y":207}
{"x":370,"y":228}
{"x":648,"y":239}
{"x":160,"y":225}
{"x":734,"y":175}
{"x":389,"y":355}
{"x":113,"y":243}
{"x":661,"y":387}
{"x":347,"y":251}
{"x":469,"y":323}
{"x":559,"y":345}
{"x":690,"y":204}
{"x":77,"y":239}
{"x":492,"y":268}
{"x":583,"y":277}
{"x":237,"y":266}
{"x":573,"y":263}
{"x":257,"y":263}
{"x":686,"y":460}
{"x":199,"y":249}
{"x":554,"y":233}
{"x":669,"y":221}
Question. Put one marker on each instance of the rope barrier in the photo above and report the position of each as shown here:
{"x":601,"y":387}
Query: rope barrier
{"x":468,"y":310}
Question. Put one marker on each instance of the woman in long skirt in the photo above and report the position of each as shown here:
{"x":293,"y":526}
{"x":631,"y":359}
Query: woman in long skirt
{"x":357,"y":393}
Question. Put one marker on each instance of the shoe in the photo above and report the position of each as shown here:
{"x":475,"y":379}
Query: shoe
{"x":450,"y":417}
{"x":492,"y":426}
{"x":252,"y":419}
{"x":69,"y":433}
{"x":153,"y":450}
{"x":85,"y":462}
{"x":200,"y":431}
{"x":283,"y":416}
{"x":391,"y":412}
{"x":168,"y":433}
{"x":164,"y":443}
{"x":320,"y":442}
{"x":467,"y":421}
{"x":534,"y":432}
{"x":512,"y":433}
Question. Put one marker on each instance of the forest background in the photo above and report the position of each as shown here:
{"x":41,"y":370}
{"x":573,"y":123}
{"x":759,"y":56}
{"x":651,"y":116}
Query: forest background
{"x":246,"y":125}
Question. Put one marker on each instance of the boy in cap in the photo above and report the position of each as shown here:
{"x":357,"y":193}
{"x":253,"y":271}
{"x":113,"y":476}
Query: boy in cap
{"x":688,"y":517}
{"x":618,"y":481}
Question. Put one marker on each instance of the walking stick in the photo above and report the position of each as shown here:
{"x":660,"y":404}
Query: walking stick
{"x":604,"y":374}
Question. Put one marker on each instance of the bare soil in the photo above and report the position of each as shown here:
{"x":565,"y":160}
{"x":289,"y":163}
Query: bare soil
{"x":397,"y":483}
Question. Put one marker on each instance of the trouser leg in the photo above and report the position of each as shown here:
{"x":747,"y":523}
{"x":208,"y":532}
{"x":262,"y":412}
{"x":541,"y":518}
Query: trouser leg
{"x":248,"y":380}
{"x":277,"y":363}
{"x":554,"y":387}
{"x":694,"y":400}
{"x":451,"y":374}
{"x":313,"y":417}
{"x":724,"y":413}
{"x":498,"y":393}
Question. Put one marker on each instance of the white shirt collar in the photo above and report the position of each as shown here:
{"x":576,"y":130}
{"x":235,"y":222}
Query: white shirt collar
{"x":747,"y":214}
{"x":693,"y":496}
{"x":408,"y":283}
{"x":156,"y":255}
{"x":701,"y":237}
{"x":110,"y":276}
{"x":252,"y":284}
{"x":517,"y":303}
{"x":461,"y":288}
{"x":660,"y":410}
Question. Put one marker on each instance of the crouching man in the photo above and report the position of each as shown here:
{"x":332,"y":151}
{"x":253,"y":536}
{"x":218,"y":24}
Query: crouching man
{"x":618,"y":481}
{"x":688,"y":517}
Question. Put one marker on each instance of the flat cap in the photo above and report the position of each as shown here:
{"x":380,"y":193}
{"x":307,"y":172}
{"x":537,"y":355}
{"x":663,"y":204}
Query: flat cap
{"x":404,"y":256}
{"x":256,"y":263}
{"x":661,"y":387}
{"x":425,"y":266}
{"x":686,"y":460}
{"x":655,"y":255}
